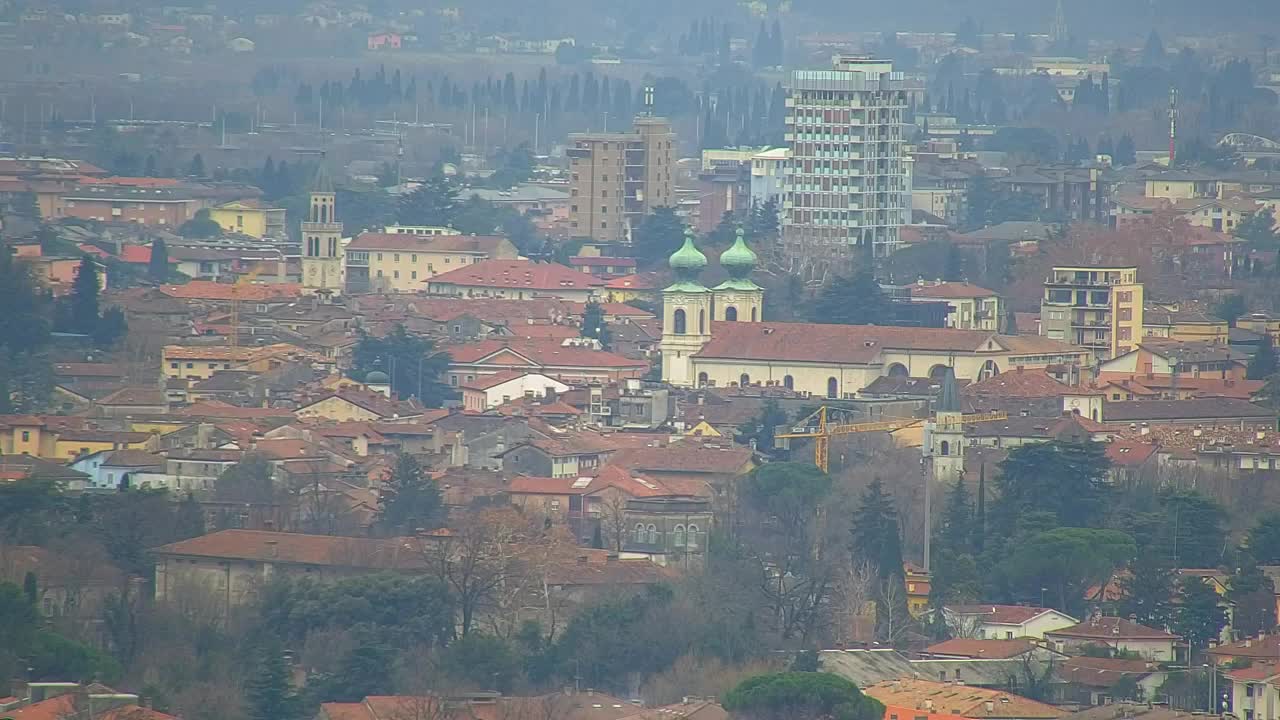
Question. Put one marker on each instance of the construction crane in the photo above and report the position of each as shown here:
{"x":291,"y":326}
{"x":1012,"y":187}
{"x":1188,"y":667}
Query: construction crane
{"x":242,"y":282}
{"x":820,"y":428}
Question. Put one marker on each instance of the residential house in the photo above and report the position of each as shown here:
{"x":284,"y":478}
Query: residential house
{"x":1094,"y":681}
{"x":517,"y":279}
{"x":985,"y":649}
{"x":1174,"y":358}
{"x":1254,"y":689}
{"x":1094,"y":306}
{"x":567,"y":361}
{"x":490,"y":391}
{"x":250,"y":217}
{"x":121,"y":469}
{"x":1117,"y":634}
{"x":351,"y":405}
{"x":1004,"y":622}
{"x":133,"y":401}
{"x":971,"y":307}
{"x":1209,"y":410}
{"x":236,"y":564}
{"x":401,"y":262}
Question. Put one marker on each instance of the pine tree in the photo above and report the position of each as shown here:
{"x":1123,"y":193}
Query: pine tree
{"x":410,"y":500}
{"x":82,"y":306}
{"x":955,"y":532}
{"x":1126,"y":152}
{"x":268,"y":693}
{"x":196,"y":168}
{"x":594,"y":326}
{"x":158,"y":265}
{"x":875,"y":531}
{"x":1199,"y":616}
{"x":1263,"y":363}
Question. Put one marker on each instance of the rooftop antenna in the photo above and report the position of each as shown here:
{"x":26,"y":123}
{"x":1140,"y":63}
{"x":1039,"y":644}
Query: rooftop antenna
{"x":1173,"y":122}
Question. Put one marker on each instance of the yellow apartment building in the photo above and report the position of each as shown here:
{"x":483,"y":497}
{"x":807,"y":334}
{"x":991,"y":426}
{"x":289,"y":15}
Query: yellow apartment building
{"x":249,"y":217}
{"x":403,"y":262}
{"x":1095,"y":307}
{"x":199,"y":363}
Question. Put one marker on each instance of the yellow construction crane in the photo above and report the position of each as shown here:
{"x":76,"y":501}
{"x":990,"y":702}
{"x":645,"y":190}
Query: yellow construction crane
{"x":820,"y":427}
{"x":241,"y":282}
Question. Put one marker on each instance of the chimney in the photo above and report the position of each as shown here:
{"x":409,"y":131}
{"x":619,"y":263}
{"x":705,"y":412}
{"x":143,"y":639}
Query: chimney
{"x":273,"y":549}
{"x":549,"y":395}
{"x":991,"y":706}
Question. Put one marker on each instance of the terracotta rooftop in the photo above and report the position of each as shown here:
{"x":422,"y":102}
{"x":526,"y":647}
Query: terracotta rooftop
{"x":1267,"y":646}
{"x":963,"y":700}
{"x":999,"y":614}
{"x":209,"y":290}
{"x":1019,"y":383}
{"x":264,"y":546}
{"x":1102,"y":672}
{"x":1208,"y":409}
{"x":1111,"y":628}
{"x":541,"y":353}
{"x":136,"y":396}
{"x":132,"y":458}
{"x":484,"y":382}
{"x":518,"y":274}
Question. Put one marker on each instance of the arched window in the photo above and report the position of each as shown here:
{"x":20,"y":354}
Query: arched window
{"x":731,"y":314}
{"x":937,"y":371}
{"x":640,"y":533}
{"x":702,"y":379}
{"x":702,"y":322}
{"x":653,"y":534}
{"x":989,"y":370}
{"x":678,"y":322}
{"x":753,"y":315}
{"x":678,"y":536}
{"x":945,"y":448}
{"x":692,"y":541}
{"x":324,"y":213}
{"x":789,"y":382}
{"x":897,"y":370}
{"x":833,"y":388}
{"x":744,"y":380}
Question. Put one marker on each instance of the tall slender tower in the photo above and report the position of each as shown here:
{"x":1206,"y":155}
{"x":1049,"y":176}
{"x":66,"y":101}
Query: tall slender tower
{"x":738,"y":299}
{"x":1059,"y":33}
{"x":686,"y":314}
{"x":322,"y":237}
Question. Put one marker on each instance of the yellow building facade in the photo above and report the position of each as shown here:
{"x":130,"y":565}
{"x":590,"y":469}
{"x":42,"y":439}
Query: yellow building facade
{"x":249,"y":217}
{"x":402,"y":262}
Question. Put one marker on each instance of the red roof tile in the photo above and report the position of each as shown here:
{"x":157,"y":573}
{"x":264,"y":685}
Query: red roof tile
{"x":999,"y":614}
{"x":1019,"y":383}
{"x":542,"y":353}
{"x":209,"y":290}
{"x":263,"y":546}
{"x":518,"y":274}
{"x":985,"y":649}
{"x":1112,"y":628}
{"x":950,"y":290}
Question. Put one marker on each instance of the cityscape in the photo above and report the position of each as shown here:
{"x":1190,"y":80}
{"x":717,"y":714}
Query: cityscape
{"x":586,"y":360}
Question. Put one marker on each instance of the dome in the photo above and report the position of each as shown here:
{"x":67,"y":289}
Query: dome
{"x":377,"y":377}
{"x":688,"y":260}
{"x":739,"y":260}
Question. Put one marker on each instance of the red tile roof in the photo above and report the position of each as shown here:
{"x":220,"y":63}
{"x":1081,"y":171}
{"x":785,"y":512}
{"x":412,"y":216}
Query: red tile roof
{"x":852,"y":344}
{"x":209,"y":290}
{"x":1112,"y":628}
{"x":518,"y":274}
{"x":1019,"y":383}
{"x":999,"y":614}
{"x":1129,"y":452}
{"x":484,"y":382}
{"x":964,"y":700}
{"x":1102,"y":672}
{"x":263,"y":546}
{"x":542,"y":353}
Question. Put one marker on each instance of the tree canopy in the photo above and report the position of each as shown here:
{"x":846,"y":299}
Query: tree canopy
{"x":788,"y":695}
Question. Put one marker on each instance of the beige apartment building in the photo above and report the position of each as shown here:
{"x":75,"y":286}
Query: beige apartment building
{"x":1095,"y":307}
{"x":618,"y":178}
{"x":403,"y":262}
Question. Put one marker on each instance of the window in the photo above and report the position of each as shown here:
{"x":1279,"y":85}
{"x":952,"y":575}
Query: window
{"x":653,"y":534}
{"x":789,"y":382}
{"x":691,"y":541}
{"x":173,"y":365}
{"x":731,"y":314}
{"x":702,"y":379}
{"x":833,"y":388}
{"x":944,"y":448}
{"x":702,"y":322}
{"x":191,"y":366}
{"x":678,"y":536}
{"x":413,"y":275}
{"x":640,"y":535}
{"x":678,"y":322}
{"x":26,"y":436}
{"x":744,"y":380}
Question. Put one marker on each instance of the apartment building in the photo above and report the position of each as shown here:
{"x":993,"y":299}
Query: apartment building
{"x":402,"y":262}
{"x":1099,"y":308}
{"x":846,"y":186}
{"x":618,"y":178}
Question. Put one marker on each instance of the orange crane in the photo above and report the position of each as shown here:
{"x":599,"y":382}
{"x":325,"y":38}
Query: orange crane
{"x":820,"y":427}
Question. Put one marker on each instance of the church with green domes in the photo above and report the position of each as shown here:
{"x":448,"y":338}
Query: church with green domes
{"x":689,"y":307}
